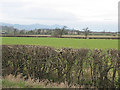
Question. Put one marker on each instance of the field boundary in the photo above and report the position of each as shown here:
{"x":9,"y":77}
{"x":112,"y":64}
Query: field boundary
{"x":80,"y":37}
{"x":97,"y":67}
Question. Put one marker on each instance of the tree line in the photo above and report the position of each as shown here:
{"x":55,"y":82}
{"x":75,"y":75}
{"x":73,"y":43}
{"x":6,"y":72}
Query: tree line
{"x":57,"y":32}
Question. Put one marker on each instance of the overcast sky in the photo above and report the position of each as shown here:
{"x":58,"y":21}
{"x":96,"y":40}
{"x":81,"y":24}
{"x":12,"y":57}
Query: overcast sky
{"x":72,"y":13}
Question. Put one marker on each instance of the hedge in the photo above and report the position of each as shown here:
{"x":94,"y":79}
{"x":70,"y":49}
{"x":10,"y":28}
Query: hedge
{"x":97,"y":67}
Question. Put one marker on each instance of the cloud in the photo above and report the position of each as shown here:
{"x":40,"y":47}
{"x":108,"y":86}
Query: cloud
{"x":66,"y":12}
{"x":38,"y":14}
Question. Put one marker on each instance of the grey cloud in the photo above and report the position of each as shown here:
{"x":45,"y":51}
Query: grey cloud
{"x":38,"y":14}
{"x":11,"y":4}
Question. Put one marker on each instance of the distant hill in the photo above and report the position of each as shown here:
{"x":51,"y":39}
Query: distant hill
{"x":97,"y":27}
{"x":32,"y":26}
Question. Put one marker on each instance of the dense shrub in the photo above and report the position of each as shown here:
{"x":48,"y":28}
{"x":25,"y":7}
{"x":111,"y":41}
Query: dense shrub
{"x":96,"y":67}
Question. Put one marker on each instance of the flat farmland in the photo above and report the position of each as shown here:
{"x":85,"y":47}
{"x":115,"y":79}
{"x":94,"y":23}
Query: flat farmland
{"x":61,"y":42}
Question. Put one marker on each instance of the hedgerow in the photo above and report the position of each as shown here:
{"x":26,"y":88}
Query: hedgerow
{"x":89,"y":67}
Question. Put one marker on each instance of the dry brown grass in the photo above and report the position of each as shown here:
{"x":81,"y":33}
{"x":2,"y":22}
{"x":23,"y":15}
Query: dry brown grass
{"x":30,"y":82}
{"x":89,"y":36}
{"x":75,"y":36}
{"x":45,"y":83}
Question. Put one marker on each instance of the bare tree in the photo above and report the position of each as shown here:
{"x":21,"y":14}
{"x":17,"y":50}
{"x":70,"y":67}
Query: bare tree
{"x":56,"y":32}
{"x":86,"y":32}
{"x":59,"y":32}
{"x":62,"y":31}
{"x":22,"y":32}
{"x":39,"y":31}
{"x":15,"y":31}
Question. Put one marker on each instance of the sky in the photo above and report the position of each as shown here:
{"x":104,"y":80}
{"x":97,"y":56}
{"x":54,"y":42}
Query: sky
{"x":78,"y":14}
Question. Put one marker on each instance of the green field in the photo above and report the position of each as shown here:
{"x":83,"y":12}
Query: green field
{"x":61,"y":42}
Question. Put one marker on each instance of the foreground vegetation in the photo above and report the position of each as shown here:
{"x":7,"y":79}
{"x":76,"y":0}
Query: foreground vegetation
{"x":16,"y":82}
{"x":78,"y":67}
{"x":11,"y":81}
{"x":61,"y":42}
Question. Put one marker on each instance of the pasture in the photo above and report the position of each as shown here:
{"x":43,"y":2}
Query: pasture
{"x":61,"y":42}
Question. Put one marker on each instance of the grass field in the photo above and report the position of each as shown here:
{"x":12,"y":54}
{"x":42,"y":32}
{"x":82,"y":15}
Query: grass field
{"x":61,"y":42}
